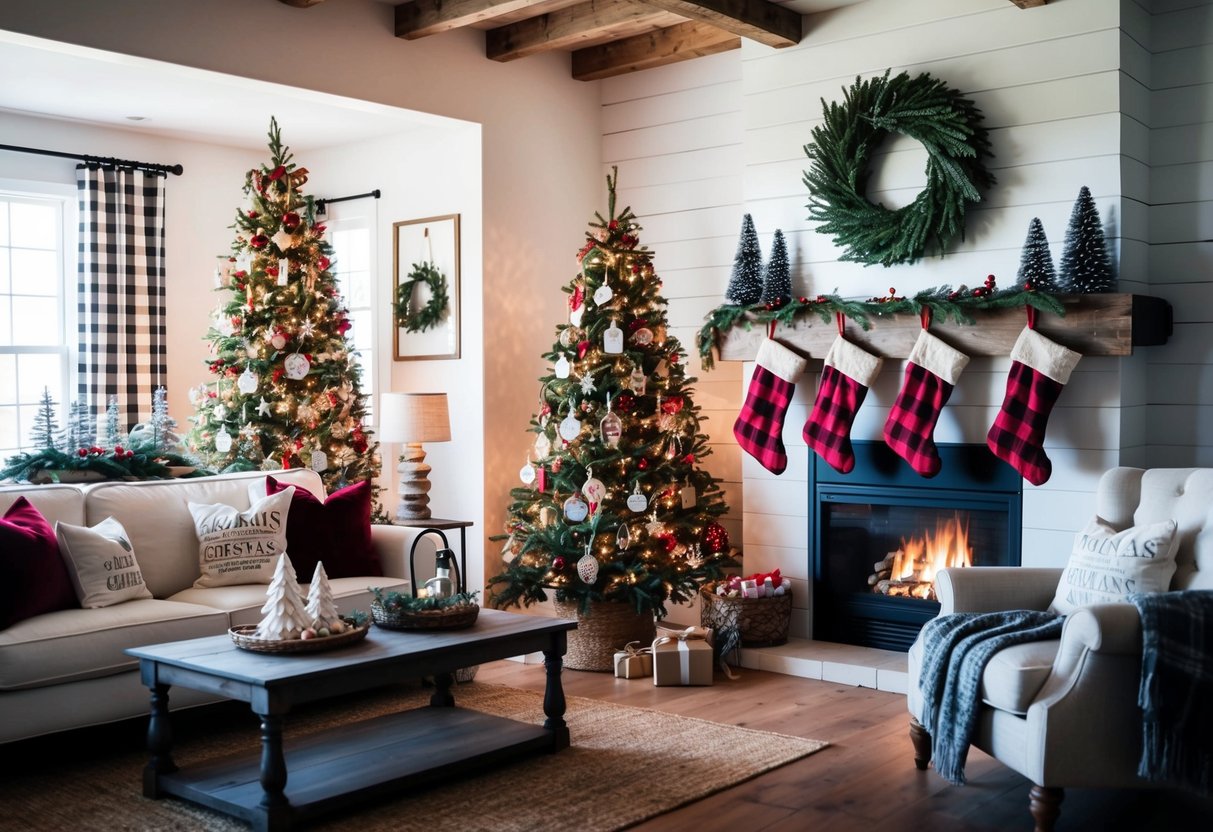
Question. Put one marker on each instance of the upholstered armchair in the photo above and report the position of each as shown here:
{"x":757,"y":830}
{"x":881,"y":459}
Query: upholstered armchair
{"x":1064,"y":713}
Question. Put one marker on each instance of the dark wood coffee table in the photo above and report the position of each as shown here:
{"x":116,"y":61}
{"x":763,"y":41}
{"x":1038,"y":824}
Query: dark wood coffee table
{"x":334,"y":769}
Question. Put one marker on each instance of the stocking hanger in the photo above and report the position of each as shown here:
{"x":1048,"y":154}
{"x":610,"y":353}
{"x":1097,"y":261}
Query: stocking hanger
{"x":1031,"y":316}
{"x":924,"y":315}
{"x":841,"y":320}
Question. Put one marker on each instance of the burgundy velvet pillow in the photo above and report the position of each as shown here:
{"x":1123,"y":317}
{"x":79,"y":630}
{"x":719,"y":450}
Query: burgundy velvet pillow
{"x":337,"y":532}
{"x":33,"y":577}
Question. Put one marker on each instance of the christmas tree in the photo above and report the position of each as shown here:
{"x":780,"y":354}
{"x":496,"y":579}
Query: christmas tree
{"x":615,"y":507}
{"x":1036,"y":262}
{"x":1085,"y":266}
{"x":44,"y":435}
{"x":777,"y":274}
{"x":745,"y":284}
{"x":286,"y":389}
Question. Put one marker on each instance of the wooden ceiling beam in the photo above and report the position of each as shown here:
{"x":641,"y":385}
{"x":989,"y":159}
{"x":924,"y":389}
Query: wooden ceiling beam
{"x":664,"y":46}
{"x":583,"y":23}
{"x":757,"y":20}
{"x":421,"y":18}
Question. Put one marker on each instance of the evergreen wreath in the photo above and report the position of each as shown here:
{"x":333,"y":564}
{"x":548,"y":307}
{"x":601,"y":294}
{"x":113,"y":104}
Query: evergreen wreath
{"x":925,"y":109}
{"x":429,"y":315}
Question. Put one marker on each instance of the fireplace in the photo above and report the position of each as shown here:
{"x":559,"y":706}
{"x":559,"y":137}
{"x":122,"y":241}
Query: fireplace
{"x":878,"y":535}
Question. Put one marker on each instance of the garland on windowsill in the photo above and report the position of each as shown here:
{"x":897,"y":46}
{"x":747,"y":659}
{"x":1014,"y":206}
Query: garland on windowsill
{"x":943,"y":302}
{"x":432,"y":313}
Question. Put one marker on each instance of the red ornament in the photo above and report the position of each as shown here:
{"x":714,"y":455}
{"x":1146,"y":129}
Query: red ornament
{"x":82,"y":452}
{"x":715,"y":538}
{"x":319,"y":230}
{"x":259,"y":241}
{"x":323,"y":263}
{"x":290,"y":220}
{"x":671,"y":405}
{"x":557,"y":564}
{"x":689,"y":459}
{"x":272,"y":271}
{"x":613,"y":224}
{"x":252,"y":215}
{"x":277,"y":173}
{"x":625,"y":402}
{"x":575,"y":299}
{"x":642,"y":464}
{"x":582,"y":348}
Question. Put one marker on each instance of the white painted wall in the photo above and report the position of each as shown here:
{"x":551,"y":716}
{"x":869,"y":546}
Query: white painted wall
{"x":540,"y":157}
{"x":1051,"y":83}
{"x":1169,"y":79}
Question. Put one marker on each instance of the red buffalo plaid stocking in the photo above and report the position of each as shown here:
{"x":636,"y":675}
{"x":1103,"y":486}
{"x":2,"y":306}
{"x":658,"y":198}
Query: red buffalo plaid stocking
{"x":931,"y":374}
{"x":759,"y":428}
{"x":1040,"y":368}
{"x":845,"y":379}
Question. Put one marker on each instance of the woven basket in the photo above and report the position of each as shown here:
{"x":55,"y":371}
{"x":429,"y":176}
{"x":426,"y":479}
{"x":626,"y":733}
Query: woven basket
{"x":448,"y":618}
{"x":607,"y":627}
{"x":761,"y":622}
{"x":244,"y":636}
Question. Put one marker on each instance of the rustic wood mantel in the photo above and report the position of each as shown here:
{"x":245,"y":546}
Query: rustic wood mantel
{"x":1104,"y":324}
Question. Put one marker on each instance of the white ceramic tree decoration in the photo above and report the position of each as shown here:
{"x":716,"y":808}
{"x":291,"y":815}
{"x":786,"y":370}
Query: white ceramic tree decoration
{"x":286,"y":614}
{"x":321,"y":609}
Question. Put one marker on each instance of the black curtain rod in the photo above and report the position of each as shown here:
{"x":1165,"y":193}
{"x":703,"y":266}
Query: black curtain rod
{"x":320,"y":203}
{"x":104,"y":161}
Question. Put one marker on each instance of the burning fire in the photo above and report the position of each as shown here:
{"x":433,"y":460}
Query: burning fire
{"x":912,"y":568}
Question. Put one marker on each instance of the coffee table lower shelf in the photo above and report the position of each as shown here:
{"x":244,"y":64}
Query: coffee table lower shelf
{"x":331,"y":769}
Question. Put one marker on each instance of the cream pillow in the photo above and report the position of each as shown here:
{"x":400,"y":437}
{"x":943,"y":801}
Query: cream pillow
{"x":1105,"y":565}
{"x":240,"y":547}
{"x":101,"y":563}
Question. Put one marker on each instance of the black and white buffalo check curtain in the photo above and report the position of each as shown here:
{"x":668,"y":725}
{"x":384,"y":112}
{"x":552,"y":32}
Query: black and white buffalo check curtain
{"x":121,"y":290}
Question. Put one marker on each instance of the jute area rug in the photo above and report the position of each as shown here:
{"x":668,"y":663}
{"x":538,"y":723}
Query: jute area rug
{"x":625,"y":765}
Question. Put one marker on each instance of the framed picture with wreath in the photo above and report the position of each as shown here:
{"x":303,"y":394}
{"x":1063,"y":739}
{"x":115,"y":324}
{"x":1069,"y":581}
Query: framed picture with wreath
{"x":425,"y":298}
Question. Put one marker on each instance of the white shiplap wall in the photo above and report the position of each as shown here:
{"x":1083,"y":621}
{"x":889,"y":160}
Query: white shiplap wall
{"x":1067,"y":100}
{"x":1172,"y":51}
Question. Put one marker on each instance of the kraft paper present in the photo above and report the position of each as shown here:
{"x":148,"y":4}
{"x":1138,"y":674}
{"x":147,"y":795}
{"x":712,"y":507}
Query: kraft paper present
{"x":633,"y":661}
{"x":683,"y":657}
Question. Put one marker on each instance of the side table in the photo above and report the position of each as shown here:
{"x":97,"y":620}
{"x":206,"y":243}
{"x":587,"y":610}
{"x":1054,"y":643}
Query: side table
{"x":442,"y":526}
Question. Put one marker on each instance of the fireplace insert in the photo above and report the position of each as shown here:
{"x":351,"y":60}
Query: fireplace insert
{"x":878,"y":535}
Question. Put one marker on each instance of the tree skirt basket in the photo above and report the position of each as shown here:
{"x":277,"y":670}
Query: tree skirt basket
{"x":607,"y":627}
{"x":759,"y":622}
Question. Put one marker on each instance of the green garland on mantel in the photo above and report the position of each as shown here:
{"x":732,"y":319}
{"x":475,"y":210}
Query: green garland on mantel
{"x":943,"y":302}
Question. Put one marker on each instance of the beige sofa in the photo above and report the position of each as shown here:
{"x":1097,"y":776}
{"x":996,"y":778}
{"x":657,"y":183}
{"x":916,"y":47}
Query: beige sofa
{"x":67,"y":669}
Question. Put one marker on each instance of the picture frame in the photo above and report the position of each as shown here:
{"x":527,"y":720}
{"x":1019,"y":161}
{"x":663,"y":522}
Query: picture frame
{"x":428,"y":240}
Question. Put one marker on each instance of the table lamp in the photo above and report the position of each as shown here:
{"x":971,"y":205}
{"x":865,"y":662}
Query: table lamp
{"x":411,"y":419}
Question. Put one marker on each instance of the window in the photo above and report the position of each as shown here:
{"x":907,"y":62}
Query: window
{"x":36,"y":309}
{"x":353,"y":246}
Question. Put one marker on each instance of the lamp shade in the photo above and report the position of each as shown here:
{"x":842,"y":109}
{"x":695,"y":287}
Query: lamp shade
{"x":414,"y":417}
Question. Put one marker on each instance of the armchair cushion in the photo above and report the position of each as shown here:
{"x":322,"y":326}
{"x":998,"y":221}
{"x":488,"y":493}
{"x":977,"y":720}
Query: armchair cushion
{"x":1107,"y":565}
{"x":1016,"y":674}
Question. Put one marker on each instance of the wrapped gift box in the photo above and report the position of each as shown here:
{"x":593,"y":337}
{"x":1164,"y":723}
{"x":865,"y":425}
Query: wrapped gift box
{"x":633,"y":661}
{"x":683,"y":657}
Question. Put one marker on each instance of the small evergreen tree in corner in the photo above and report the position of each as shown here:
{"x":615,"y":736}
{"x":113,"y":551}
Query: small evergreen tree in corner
{"x":777,"y":275}
{"x":745,"y":285}
{"x":46,"y":428}
{"x":1036,"y":262}
{"x":1085,"y":266}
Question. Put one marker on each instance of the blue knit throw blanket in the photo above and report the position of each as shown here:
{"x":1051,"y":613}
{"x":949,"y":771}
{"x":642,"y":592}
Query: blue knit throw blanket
{"x":1176,"y":693}
{"x":956,"y":649}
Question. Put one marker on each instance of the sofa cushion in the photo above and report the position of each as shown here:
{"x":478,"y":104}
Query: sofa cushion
{"x":1107,"y":565}
{"x":33,"y":578}
{"x":101,"y":563}
{"x":157,"y":519}
{"x":336,"y":532}
{"x":243,"y":603}
{"x":70,"y":645}
{"x":240,"y":547}
{"x":58,"y":503}
{"x":1015,"y":675}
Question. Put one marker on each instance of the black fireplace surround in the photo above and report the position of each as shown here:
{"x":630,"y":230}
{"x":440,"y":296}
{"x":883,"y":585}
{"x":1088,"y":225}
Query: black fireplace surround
{"x":856,"y":519}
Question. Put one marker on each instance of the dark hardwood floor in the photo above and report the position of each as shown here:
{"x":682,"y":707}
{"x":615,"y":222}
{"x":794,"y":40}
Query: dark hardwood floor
{"x":866,"y":780}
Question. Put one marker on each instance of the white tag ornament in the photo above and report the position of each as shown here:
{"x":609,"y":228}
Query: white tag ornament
{"x":642,"y":336}
{"x":247,"y":383}
{"x":638,"y":381}
{"x":637,"y":502}
{"x":562,"y":367}
{"x":575,"y":509}
{"x":603,"y":294}
{"x":320,"y":461}
{"x":296,"y":366}
{"x":576,"y":315}
{"x":611,"y":427}
{"x":543,"y":446}
{"x":688,"y":496}
{"x":623,"y":537}
{"x":284,"y":270}
{"x":594,"y":490}
{"x":612,"y":340}
{"x":587,"y":567}
{"x":223,"y":441}
{"x":527,"y":473}
{"x":570,"y":427}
